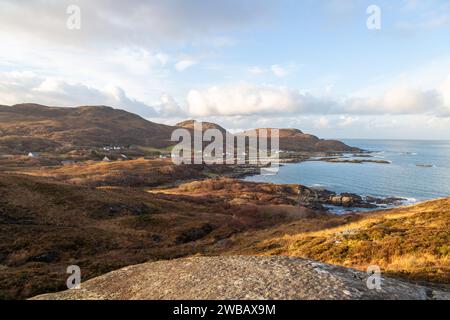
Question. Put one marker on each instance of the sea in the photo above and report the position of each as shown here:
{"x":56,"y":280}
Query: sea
{"x":417,"y":171}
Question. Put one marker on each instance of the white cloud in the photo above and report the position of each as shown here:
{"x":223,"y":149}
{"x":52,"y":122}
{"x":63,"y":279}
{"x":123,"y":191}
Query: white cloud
{"x":142,"y":22}
{"x":169,"y":107}
{"x":397,"y":100}
{"x":430,"y":15}
{"x":163,"y":58}
{"x":248,"y":99}
{"x":346,"y":121}
{"x":244,"y":99}
{"x":255,"y":70}
{"x":137,"y":60}
{"x":444,"y":88}
{"x":322,"y":122}
{"x":184,"y":64}
{"x":27,"y":87}
{"x":279,"y":71}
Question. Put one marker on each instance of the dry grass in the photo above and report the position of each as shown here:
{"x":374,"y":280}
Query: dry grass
{"x":133,"y":173}
{"x":47,"y":225}
{"x":411,"y":242}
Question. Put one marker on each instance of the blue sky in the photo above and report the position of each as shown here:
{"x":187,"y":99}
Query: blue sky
{"x":312,"y":65}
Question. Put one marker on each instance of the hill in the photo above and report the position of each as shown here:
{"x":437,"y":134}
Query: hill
{"x":296,"y":140}
{"x":32,"y":127}
{"x":290,"y":139}
{"x":241,"y":278}
{"x":189,"y":124}
{"x":38,"y":128}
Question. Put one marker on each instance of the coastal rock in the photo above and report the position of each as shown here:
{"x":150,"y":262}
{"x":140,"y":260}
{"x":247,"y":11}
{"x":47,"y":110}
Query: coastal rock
{"x":347,"y":200}
{"x":336,"y":200}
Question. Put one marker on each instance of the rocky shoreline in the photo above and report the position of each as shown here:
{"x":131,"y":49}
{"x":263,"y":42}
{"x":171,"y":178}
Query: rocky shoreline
{"x":321,"y":199}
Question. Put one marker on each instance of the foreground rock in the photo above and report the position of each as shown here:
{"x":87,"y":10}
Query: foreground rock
{"x":241,"y":277}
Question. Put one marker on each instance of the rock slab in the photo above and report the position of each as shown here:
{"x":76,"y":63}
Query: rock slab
{"x":241,"y":278}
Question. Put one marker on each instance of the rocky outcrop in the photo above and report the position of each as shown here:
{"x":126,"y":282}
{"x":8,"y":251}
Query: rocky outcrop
{"x":241,"y":278}
{"x":316,"y":199}
{"x":347,"y":200}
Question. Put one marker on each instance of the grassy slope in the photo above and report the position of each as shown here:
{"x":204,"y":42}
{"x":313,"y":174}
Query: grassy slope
{"x":136,"y":173}
{"x":46,"y":226}
{"x":410,"y":242}
{"x":132,"y":173}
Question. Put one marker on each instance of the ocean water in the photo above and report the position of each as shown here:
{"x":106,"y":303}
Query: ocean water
{"x":419,"y":170}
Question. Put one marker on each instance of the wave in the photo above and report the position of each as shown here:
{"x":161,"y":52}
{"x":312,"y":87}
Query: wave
{"x":409,"y":201}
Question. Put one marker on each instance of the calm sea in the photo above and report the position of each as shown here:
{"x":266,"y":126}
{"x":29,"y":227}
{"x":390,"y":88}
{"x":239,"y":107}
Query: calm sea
{"x":419,"y":170}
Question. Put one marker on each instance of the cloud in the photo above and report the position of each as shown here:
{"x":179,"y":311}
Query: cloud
{"x":436,"y":21}
{"x":346,"y":121}
{"x":27,"y":87}
{"x":184,"y":64}
{"x":162,"y":58}
{"x":398,"y":100}
{"x":249,"y":99}
{"x":279,"y":71}
{"x":245,"y":99}
{"x":430,"y":15}
{"x":149,"y":22}
{"x":241,"y":99}
{"x":169,"y":108}
{"x":255,"y":70}
{"x":137,"y":60}
{"x":322,"y":122}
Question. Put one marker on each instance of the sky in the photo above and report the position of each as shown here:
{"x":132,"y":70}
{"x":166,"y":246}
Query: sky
{"x":334,"y":68}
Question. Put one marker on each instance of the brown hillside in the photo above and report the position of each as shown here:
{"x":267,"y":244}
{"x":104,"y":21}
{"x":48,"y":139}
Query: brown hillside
{"x":296,"y":140}
{"x":32,"y":127}
{"x":189,"y":124}
{"x":409,"y":242}
{"x":37,"y":128}
{"x":46,"y":226}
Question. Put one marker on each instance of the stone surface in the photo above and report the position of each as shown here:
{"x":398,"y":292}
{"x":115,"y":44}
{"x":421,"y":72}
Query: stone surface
{"x":241,"y":277}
